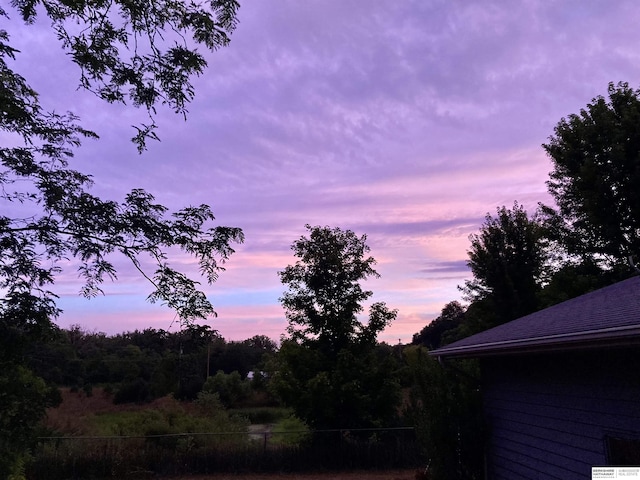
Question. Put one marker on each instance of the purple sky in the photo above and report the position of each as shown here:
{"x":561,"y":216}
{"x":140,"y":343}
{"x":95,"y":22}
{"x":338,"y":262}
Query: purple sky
{"x":407,"y":121}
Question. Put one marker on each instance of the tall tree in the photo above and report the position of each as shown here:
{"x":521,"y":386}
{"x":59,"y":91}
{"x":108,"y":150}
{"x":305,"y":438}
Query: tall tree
{"x":328,"y":369}
{"x":508,"y":260}
{"x":143,"y":52}
{"x":595,"y":177}
{"x":431,"y":336}
{"x":325,"y":295}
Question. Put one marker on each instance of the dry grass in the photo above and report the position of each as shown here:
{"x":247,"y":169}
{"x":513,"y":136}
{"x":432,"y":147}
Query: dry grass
{"x":71,"y":416}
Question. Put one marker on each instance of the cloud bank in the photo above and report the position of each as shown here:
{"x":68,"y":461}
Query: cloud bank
{"x":406,"y":121}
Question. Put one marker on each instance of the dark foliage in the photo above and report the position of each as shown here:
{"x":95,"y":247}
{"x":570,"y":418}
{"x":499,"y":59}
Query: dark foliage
{"x":446,"y":408}
{"x":596,"y":171}
{"x":329,"y":370}
{"x":432,"y":335}
{"x":140,"y":366}
{"x":49,"y":217}
{"x":508,"y":260}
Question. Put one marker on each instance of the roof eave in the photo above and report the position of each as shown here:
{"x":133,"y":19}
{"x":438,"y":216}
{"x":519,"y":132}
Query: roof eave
{"x":605,"y":338}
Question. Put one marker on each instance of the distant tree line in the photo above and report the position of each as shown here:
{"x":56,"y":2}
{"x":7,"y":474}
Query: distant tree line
{"x":142,"y":365}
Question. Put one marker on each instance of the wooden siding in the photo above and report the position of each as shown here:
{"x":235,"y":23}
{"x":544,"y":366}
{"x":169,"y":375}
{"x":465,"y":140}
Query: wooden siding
{"x":548,"y":415}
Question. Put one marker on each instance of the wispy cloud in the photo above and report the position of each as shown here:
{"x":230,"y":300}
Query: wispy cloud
{"x":406,"y":121}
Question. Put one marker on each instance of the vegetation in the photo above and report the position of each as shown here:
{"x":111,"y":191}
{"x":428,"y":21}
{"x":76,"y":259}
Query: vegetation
{"x":205,"y":415}
{"x":144,"y":365}
{"x":446,"y":408}
{"x":330,"y":370}
{"x":595,"y":174}
{"x":49,"y":215}
{"x":521,"y":264}
{"x":172,"y":437}
{"x":508,"y":260}
{"x":434,"y":334}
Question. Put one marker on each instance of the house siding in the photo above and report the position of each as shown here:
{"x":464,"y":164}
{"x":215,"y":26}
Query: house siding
{"x":548,"y":415}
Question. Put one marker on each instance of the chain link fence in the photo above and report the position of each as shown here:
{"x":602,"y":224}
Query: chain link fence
{"x":255,"y":450}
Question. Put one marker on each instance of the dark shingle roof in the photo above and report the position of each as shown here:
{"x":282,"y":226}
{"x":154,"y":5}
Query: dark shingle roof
{"x":606,"y":317}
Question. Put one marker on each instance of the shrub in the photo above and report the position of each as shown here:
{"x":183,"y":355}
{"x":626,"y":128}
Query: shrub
{"x":134,"y":391}
{"x":230,"y":387}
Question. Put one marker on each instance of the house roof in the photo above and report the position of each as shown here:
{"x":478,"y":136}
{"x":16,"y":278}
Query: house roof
{"x":603,"y":318}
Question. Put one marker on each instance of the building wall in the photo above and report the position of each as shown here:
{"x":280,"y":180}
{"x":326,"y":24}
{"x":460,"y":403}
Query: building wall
{"x":548,"y":416}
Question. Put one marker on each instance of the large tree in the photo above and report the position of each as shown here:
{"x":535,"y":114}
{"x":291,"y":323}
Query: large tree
{"x":142,"y":52}
{"x":329,"y":369}
{"x":325,"y":295}
{"x":431,"y":336}
{"x":508,"y":260}
{"x":595,"y":177}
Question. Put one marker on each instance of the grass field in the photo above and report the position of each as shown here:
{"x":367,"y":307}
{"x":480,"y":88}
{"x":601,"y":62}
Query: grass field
{"x":79,"y":414}
{"x":86,"y":416}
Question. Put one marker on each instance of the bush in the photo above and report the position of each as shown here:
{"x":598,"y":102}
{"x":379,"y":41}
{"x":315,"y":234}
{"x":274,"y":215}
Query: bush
{"x":230,"y":387}
{"x":134,"y":391}
{"x":189,"y":387}
{"x":262,"y":415}
{"x":290,"y":431}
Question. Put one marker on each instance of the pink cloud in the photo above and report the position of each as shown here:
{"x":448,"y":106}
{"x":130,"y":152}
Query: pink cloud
{"x":406,"y":121}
